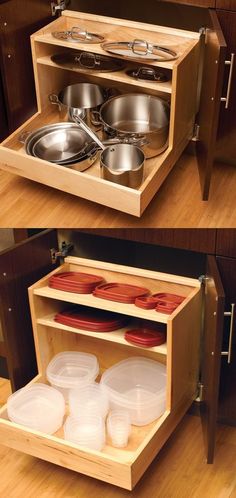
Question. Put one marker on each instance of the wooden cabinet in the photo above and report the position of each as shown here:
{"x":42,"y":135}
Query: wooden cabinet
{"x":196,"y":3}
{"x":180,"y":354}
{"x":225,"y":147}
{"x":225,"y":4}
{"x":182,"y":91}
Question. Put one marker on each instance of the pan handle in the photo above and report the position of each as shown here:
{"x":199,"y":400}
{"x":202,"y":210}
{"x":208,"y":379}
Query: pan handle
{"x":79,"y":33}
{"x":23,"y":136}
{"x":92,"y":57}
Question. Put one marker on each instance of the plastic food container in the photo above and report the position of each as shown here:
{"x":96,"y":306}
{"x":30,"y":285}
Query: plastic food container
{"x":72,"y":369}
{"x":137,"y":385}
{"x":119,"y":428}
{"x":38,"y":407}
{"x":86,"y":430}
{"x":88,"y":400}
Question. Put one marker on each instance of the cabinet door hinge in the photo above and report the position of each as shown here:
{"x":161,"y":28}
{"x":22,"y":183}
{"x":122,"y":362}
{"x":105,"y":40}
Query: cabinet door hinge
{"x":196,"y":132}
{"x":199,"y":397}
{"x":202,"y":279}
{"x":66,"y":248}
{"x":58,"y":6}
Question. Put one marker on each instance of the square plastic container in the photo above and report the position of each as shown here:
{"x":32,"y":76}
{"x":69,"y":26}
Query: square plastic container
{"x":87,"y":431}
{"x":72,"y":369}
{"x":38,"y":407}
{"x":89,"y":400}
{"x":137,"y":385}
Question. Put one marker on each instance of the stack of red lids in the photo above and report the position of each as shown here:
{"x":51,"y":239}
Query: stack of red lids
{"x":122,"y":293}
{"x":146,"y":336}
{"x":89,"y":319}
{"x":162,"y":301}
{"x":82,"y":283}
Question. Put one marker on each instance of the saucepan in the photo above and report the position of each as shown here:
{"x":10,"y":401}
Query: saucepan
{"x":137,"y":115}
{"x":121,"y":163}
{"x":81,"y":99}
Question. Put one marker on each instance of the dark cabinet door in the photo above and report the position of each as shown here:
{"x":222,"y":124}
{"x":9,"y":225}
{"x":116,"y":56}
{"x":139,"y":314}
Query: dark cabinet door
{"x":3,"y":114}
{"x":227,"y":394}
{"x":226,"y":242}
{"x":20,"y":267}
{"x":197,"y":3}
{"x":226,"y":4}
{"x":226,"y":139}
{"x":207,"y":119}
{"x":211,"y":353}
{"x":19,"y":19}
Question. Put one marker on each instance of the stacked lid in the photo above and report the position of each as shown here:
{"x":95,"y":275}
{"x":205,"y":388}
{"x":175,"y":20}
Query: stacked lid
{"x":82,"y":283}
{"x":91,"y":319}
{"x":122,"y":293}
{"x":147,"y":335}
{"x":161,"y":301}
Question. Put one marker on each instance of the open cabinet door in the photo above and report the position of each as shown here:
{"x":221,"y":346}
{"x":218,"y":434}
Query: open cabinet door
{"x":211,"y":357}
{"x":21,"y":266}
{"x":211,"y":91}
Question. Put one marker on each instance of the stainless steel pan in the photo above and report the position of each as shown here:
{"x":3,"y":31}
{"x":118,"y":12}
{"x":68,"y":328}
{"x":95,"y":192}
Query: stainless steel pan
{"x":137,"y":116}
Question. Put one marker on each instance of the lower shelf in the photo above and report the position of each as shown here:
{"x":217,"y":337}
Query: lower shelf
{"x":88,"y":184}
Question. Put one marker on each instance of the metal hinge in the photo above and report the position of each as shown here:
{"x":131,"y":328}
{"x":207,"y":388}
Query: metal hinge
{"x":66,"y":248}
{"x":199,"y":397}
{"x":196,"y":131}
{"x":202,"y":279}
{"x":58,"y":6}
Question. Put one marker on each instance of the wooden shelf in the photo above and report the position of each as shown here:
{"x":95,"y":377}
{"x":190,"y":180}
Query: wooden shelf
{"x":117,"y":336}
{"x":119,"y":76}
{"x":104,"y":304}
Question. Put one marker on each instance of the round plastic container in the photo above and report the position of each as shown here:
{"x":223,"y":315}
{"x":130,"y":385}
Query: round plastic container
{"x":90,"y":400}
{"x":38,"y":407}
{"x":119,"y":428}
{"x":87,"y":431}
{"x":72,"y":369}
{"x":137,"y":385}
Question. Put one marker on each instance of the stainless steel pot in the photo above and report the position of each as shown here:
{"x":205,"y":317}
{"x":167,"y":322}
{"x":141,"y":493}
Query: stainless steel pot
{"x":81,"y":99}
{"x":137,"y":116}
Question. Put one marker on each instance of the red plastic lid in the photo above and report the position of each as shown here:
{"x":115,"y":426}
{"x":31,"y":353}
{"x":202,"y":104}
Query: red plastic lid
{"x":147,"y":303}
{"x":169,"y":298}
{"x":78,"y":278}
{"x":72,"y":288}
{"x":145,"y":337}
{"x":124,"y":293}
{"x":165,"y":307}
{"x":96,"y":320}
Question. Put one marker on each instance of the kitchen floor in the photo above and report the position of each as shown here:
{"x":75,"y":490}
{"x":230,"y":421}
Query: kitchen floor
{"x":179,"y":471}
{"x":177,"y":204}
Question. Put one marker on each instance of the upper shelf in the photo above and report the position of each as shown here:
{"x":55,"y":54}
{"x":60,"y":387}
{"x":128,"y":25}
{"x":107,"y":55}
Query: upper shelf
{"x":118,"y":30}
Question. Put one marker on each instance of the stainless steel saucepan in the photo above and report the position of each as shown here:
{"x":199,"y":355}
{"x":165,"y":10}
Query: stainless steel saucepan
{"x":137,"y":115}
{"x":81,"y":99}
{"x":121,"y":163}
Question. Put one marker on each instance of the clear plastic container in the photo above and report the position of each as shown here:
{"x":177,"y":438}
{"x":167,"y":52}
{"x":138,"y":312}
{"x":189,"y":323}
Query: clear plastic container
{"x":119,"y":428}
{"x":72,"y":369}
{"x":38,"y":407}
{"x":91,"y":400}
{"x":137,"y":385}
{"x":86,"y":430}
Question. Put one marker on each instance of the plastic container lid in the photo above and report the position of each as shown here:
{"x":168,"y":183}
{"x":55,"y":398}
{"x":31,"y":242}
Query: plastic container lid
{"x":72,"y":369}
{"x":40,"y":407}
{"x":145,"y":337}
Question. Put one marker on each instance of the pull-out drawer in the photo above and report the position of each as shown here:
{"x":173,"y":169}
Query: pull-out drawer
{"x":180,"y":91}
{"x":180,"y":354}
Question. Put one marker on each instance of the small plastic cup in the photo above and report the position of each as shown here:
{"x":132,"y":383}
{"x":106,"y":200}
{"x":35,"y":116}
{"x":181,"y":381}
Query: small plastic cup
{"x":119,"y":428}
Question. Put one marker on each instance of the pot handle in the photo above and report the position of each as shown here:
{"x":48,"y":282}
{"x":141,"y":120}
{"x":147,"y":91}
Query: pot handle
{"x":77,"y":32}
{"x":94,"y":61}
{"x":140,"y":43}
{"x":94,"y":121}
{"x":144,"y":71}
{"x":23,"y":136}
{"x":53,"y":98}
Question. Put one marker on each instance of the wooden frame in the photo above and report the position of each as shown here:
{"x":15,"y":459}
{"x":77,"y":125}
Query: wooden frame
{"x":181,"y":91}
{"x":180,"y":354}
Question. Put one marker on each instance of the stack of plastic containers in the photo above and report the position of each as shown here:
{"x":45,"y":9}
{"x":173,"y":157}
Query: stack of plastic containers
{"x":39,"y":407}
{"x":72,"y":369}
{"x":86,"y":430}
{"x":88,"y":400}
{"x":138,"y":386}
